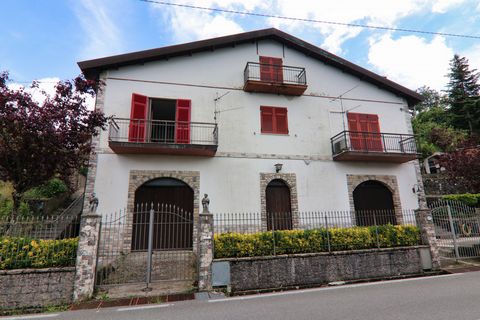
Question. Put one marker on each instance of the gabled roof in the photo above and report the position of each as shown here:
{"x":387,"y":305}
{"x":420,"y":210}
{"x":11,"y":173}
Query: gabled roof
{"x":91,"y":68}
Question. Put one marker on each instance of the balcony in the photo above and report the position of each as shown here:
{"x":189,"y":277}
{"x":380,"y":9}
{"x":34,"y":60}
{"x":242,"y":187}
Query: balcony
{"x":378,"y":147}
{"x":279,"y":79}
{"x":136,"y":136}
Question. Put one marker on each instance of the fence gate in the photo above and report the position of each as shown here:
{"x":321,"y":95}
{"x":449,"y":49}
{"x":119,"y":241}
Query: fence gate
{"x":154,"y":248}
{"x":457,"y":229}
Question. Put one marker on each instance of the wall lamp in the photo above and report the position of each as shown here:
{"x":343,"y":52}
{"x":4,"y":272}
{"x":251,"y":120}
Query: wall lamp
{"x":278,"y":167}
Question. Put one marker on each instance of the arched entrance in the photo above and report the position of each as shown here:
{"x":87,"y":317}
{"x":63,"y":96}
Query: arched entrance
{"x":172,"y":202}
{"x":373,"y":203}
{"x":279,"y":209}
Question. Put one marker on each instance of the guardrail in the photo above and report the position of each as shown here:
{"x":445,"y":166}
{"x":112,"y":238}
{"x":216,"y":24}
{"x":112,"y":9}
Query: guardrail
{"x":373,"y":142}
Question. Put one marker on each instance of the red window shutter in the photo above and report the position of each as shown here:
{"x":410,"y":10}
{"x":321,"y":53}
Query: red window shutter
{"x":265,"y":69}
{"x":138,"y":118}
{"x":266,"y":119}
{"x":364,"y":131}
{"x":277,"y":69}
{"x":182,"y":132}
{"x":281,"y":122}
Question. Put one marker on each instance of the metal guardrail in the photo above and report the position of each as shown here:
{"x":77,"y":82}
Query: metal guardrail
{"x":280,"y":74}
{"x":162,"y":132}
{"x":373,"y":142}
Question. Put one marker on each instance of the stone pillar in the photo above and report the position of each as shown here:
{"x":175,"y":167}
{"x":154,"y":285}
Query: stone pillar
{"x":86,"y":257}
{"x":425,"y":222}
{"x":205,"y":252}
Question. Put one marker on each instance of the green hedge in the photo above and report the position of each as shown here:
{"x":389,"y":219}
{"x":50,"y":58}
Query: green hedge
{"x":49,"y":189}
{"x":470,"y":199}
{"x":18,"y":253}
{"x":235,"y":245}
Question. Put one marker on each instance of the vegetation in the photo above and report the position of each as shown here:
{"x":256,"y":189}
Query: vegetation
{"x":235,"y":245}
{"x":49,"y":189}
{"x":17,"y":253}
{"x":467,"y":198}
{"x":41,"y":140}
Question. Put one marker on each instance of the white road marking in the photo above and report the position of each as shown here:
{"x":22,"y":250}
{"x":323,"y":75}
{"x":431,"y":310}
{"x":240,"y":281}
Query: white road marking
{"x":37,"y":316}
{"x":266,"y":295}
{"x":144,"y":307}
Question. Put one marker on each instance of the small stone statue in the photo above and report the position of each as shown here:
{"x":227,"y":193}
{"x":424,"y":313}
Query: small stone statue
{"x":205,"y":203}
{"x":93,"y":203}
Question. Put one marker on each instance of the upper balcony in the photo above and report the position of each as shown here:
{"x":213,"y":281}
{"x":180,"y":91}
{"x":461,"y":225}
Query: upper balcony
{"x":379,"y":147}
{"x":271,"y":78}
{"x":136,"y":136}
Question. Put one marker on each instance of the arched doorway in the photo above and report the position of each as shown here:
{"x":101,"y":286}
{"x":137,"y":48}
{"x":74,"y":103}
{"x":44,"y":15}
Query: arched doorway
{"x":278,"y":205}
{"x":373,"y":203}
{"x":172,"y":202}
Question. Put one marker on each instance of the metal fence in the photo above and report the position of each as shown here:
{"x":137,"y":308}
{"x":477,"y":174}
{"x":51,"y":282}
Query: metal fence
{"x":457,"y":229}
{"x":155,"y":245}
{"x":44,"y":241}
{"x":162,"y":132}
{"x":373,"y":142}
{"x":330,"y":226}
{"x":279,"y":74}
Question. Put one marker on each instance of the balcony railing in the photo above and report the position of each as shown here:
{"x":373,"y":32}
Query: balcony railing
{"x":274,"y":78}
{"x":389,"y":147}
{"x":161,"y":134}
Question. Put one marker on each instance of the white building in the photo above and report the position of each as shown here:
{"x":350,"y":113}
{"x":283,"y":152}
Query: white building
{"x":216,"y":116}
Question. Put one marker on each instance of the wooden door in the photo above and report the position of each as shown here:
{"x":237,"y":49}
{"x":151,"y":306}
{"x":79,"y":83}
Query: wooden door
{"x":279,"y":210}
{"x":271,"y":69}
{"x":138,"y":118}
{"x":373,"y":204}
{"x":364,"y":132}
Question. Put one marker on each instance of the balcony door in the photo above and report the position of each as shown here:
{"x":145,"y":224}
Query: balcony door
{"x":271,"y":69}
{"x":364,"y":132}
{"x":162,"y":115}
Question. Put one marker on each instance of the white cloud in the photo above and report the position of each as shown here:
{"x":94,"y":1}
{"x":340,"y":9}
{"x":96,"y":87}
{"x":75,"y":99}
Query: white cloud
{"x":103,"y":37}
{"x":473,"y":56}
{"x":47,"y":85}
{"x":412,"y":61}
{"x":442,"y":6}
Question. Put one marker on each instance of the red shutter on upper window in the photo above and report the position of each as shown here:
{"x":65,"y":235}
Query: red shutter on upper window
{"x":182,"y":131}
{"x":271,"y":69}
{"x":364,"y":131}
{"x":138,"y":118}
{"x":281,"y":122}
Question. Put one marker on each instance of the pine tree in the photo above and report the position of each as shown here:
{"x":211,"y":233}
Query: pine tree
{"x":463,"y":93}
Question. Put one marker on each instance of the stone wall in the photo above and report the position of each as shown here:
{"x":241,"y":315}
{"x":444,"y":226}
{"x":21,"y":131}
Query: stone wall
{"x":320,"y":268}
{"x":33,"y":288}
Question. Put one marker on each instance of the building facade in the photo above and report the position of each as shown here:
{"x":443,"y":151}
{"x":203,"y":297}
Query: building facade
{"x":221,"y":116}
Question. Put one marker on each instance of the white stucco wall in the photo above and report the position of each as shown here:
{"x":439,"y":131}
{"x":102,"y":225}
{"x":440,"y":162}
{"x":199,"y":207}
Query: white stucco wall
{"x":231,"y":178}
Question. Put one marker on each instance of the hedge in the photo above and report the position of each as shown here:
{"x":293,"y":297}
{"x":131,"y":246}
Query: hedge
{"x":470,"y":199}
{"x":236,"y":245}
{"x":18,"y":253}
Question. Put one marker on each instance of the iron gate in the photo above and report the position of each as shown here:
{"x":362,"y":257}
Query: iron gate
{"x":457,"y":229}
{"x":153,"y":245}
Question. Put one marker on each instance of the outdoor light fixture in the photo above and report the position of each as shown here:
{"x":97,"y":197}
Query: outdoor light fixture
{"x":278,"y":167}
{"x":415,"y":188}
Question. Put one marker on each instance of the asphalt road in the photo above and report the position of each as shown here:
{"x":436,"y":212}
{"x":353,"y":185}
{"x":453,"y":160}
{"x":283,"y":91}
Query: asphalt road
{"x":450,"y":297}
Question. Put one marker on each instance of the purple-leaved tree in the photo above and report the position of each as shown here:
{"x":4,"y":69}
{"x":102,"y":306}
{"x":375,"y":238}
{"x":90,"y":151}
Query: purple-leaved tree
{"x":40,"y":140}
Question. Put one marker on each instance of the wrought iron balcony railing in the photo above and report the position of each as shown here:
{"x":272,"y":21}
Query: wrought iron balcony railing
{"x":276,"y":74}
{"x":140,"y":131}
{"x":392,"y":144}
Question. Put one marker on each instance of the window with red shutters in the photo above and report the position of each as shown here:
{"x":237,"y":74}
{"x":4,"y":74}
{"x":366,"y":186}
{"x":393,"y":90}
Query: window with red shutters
{"x":364,"y":132}
{"x":271,"y":69}
{"x":273,"y":120}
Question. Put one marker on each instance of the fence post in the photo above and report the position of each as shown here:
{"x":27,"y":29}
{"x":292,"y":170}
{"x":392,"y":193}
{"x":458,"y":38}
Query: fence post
{"x":452,"y":229}
{"x":376,"y":229}
{"x":328,"y":234}
{"x":273,"y":236}
{"x":151,"y":219}
{"x":205,"y":252}
{"x":86,"y":263}
{"x":425,"y":222}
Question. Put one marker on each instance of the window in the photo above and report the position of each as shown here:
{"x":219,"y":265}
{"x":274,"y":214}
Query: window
{"x":273,"y":120}
{"x":364,"y":131}
{"x":271,"y":69}
{"x":159,"y":120}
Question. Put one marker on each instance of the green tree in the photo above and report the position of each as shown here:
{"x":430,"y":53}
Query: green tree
{"x":463,"y":95}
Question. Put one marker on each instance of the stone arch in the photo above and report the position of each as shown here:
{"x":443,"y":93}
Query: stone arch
{"x":139,"y":177}
{"x":290,"y":179}
{"x":389,"y":181}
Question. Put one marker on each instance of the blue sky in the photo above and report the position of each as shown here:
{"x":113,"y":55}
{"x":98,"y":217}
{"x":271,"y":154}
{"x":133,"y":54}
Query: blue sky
{"x":45,"y":39}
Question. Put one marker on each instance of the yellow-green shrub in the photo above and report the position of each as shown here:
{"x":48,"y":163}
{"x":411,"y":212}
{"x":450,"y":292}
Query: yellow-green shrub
{"x":231,"y":245}
{"x":17,"y":253}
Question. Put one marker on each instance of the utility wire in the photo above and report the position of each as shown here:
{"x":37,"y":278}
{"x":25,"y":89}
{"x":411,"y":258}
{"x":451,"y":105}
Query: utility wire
{"x":264,"y":15}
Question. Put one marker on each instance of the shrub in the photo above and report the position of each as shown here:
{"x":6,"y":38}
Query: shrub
{"x":17,"y":253}
{"x":50,"y":189}
{"x":235,"y":245}
{"x":470,"y":199}
{"x":6,"y":207}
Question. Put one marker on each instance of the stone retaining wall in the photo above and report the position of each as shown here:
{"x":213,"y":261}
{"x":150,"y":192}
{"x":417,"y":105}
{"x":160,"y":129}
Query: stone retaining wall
{"x":33,"y":288}
{"x":320,"y":268}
